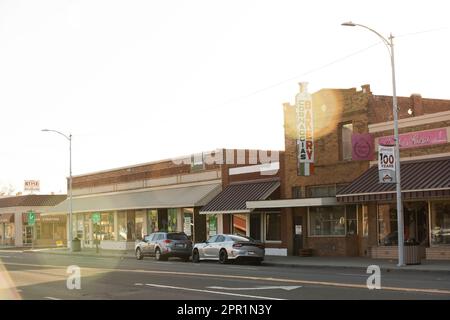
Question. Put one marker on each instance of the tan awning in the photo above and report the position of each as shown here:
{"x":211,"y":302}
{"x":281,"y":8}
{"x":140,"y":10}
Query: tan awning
{"x":180,"y":197}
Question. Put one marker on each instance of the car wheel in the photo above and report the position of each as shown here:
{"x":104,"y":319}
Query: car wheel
{"x":223,"y":256}
{"x":139,"y":255}
{"x":159,"y":256}
{"x":195,"y":256}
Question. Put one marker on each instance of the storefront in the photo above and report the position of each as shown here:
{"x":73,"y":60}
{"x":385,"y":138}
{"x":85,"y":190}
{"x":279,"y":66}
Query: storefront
{"x":7,"y":229}
{"x":117,"y":220}
{"x":47,"y":230}
{"x":426,"y":209}
{"x":228,"y":213}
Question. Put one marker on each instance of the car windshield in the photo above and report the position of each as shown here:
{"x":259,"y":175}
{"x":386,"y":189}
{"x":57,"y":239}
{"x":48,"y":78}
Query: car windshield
{"x":177,"y":236}
{"x":241,"y":239}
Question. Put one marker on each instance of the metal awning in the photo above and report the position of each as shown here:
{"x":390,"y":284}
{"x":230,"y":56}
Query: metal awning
{"x":420,"y":179}
{"x":176,"y":197}
{"x":291,"y":203}
{"x":234,"y":197}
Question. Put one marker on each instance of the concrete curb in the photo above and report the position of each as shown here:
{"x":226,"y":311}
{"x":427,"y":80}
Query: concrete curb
{"x":265,"y":263}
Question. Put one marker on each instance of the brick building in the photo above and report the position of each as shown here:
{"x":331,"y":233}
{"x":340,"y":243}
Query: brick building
{"x":329,"y":208}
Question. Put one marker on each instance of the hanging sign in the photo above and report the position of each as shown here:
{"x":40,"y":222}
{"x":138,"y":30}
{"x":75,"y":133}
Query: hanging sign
{"x":305,"y":129}
{"x":386,"y":164}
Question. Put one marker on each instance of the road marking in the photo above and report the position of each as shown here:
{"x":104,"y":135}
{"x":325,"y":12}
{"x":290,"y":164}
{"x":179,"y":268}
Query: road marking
{"x":352,"y":274}
{"x":138,"y":284}
{"x":244,"y":268}
{"x":287,"y":288}
{"x":211,"y":275}
{"x":52,"y":298}
{"x":214,"y":292}
{"x":5,"y":256}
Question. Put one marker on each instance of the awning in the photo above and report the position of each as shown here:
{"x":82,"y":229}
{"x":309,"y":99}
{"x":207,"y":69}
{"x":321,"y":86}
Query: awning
{"x":6,"y":217}
{"x":421,"y":179}
{"x":291,"y":203}
{"x":179,"y":197}
{"x":233,"y":199}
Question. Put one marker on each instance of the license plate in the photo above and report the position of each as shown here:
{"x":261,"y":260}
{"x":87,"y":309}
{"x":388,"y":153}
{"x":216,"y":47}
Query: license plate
{"x":179,"y":245}
{"x":251,"y":252}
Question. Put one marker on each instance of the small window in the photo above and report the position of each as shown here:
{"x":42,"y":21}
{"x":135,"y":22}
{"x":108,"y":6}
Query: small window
{"x":346,"y":132}
{"x":212,"y":239}
{"x":177,"y":236}
{"x":220,"y":239}
{"x":296,"y":192}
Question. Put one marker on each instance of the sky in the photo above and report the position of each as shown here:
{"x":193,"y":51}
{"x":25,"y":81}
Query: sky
{"x":138,"y":81}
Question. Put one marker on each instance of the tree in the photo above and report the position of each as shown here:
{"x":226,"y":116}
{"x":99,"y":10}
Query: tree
{"x":7,"y":190}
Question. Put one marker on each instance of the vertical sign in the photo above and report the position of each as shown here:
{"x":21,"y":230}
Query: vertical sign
{"x":386,"y":164}
{"x":187,"y":226}
{"x":305,"y":129}
{"x":31,"y":218}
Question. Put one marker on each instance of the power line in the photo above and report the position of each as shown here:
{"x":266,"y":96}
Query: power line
{"x":326,"y":65}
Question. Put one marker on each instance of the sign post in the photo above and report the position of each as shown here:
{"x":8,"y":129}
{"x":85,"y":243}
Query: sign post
{"x":32,"y":222}
{"x":386,"y":164}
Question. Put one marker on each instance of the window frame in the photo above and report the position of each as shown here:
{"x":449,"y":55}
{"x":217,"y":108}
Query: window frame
{"x":331,"y":235}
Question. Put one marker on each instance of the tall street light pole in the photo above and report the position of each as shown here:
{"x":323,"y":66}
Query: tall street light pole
{"x":70,"y":227}
{"x":390,"y":46}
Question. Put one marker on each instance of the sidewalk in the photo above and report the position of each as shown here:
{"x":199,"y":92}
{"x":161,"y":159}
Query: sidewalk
{"x":281,"y":261}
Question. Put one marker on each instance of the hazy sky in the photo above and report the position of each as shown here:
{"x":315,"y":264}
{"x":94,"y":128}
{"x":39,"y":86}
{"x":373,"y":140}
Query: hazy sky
{"x":137,"y":81}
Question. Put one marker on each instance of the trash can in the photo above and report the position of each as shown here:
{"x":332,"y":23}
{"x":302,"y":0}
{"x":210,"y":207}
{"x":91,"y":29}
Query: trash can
{"x":412,"y":253}
{"x":76,"y":245}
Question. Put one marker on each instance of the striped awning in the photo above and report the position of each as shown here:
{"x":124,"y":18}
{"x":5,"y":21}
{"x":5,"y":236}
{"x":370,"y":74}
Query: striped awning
{"x":420,"y":179}
{"x":234,"y":197}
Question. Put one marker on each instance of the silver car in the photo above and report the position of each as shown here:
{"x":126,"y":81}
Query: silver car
{"x":163,"y":245}
{"x":225,"y":247}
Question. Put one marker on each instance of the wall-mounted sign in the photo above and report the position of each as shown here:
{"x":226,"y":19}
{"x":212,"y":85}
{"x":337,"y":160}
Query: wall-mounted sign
{"x":95,"y":217}
{"x":305,"y":131}
{"x":417,"y":139}
{"x":386,"y":164}
{"x":187,"y":226}
{"x":32,"y":185}
{"x":362,"y":146}
{"x":31,"y":218}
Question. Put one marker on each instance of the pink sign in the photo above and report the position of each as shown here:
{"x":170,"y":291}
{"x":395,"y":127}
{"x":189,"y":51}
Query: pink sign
{"x":417,"y":139}
{"x":362,"y":146}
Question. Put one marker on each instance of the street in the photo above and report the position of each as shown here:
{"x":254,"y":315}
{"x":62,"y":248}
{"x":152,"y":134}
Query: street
{"x":41,"y":276}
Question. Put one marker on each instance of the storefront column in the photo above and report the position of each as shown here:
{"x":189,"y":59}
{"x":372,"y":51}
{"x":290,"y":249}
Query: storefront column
{"x":116,"y":226}
{"x":180,"y":220}
{"x":18,"y":224}
{"x":219,"y":223}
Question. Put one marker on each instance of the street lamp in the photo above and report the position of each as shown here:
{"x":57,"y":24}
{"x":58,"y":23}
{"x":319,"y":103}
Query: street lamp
{"x":68,"y":137}
{"x":390,"y":46}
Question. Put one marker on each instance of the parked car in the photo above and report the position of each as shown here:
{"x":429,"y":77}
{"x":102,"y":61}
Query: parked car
{"x":163,"y":245}
{"x":226,"y":247}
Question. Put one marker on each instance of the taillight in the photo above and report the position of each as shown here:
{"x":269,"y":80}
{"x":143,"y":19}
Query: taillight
{"x":167,"y":241}
{"x":237,"y":245}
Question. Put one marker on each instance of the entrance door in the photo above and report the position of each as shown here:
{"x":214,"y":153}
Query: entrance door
{"x":28,"y":235}
{"x":298,"y":234}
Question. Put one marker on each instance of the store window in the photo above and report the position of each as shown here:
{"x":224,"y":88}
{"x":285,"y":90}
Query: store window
{"x":440,"y":223}
{"x":188,"y":219}
{"x":172,"y":217}
{"x":211,"y":224}
{"x":106,"y":231}
{"x":239,"y":224}
{"x":140,"y":226}
{"x":297,"y":192}
{"x":415,"y":223}
{"x":346,"y":131}
{"x":365,"y":220}
{"x":122,"y":225}
{"x":152,"y":221}
{"x":273,"y":226}
{"x":351,"y":220}
{"x":323,"y":191}
{"x":327,"y":221}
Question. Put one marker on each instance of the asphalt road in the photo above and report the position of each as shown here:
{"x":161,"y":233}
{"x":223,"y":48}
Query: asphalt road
{"x":40,"y":276}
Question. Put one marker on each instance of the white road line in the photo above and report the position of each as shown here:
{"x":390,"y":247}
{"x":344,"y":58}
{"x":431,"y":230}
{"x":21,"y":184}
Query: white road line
{"x":209,"y":291}
{"x":5,"y":256}
{"x":287,"y":288}
{"x":138,"y":284}
{"x":52,"y":298}
{"x":352,"y":274}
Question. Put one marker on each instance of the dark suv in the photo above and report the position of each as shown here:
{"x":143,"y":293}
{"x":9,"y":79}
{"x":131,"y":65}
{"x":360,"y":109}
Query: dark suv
{"x":163,"y":245}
